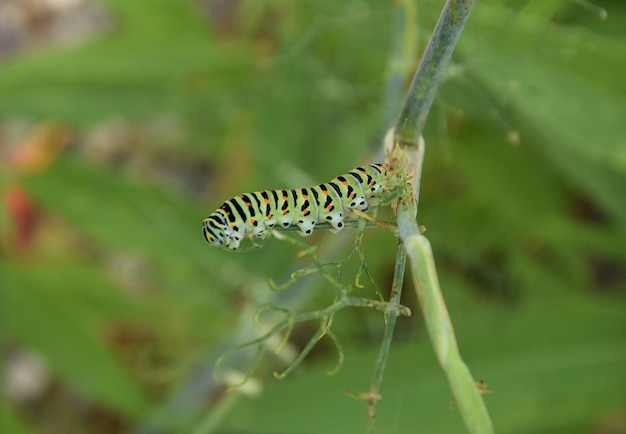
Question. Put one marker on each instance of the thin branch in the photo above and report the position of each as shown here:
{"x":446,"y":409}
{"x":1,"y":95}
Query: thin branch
{"x":392,"y":316}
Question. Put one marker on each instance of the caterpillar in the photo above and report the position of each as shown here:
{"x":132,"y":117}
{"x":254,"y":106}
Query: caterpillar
{"x":254,"y":214}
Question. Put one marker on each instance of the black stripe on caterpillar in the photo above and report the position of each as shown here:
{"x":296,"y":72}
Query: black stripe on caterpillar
{"x":254,"y":214}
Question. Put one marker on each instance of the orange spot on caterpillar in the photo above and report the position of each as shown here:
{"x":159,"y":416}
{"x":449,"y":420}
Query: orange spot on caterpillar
{"x":345,"y":183}
{"x":285,"y":211}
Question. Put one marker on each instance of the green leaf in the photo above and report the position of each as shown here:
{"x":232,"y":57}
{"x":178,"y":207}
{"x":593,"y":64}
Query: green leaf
{"x":45,"y":310}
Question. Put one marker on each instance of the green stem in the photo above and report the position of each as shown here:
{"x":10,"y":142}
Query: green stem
{"x":465,"y":390}
{"x":391,"y":316}
{"x":408,"y":130}
{"x":424,"y":86}
{"x":404,"y":40}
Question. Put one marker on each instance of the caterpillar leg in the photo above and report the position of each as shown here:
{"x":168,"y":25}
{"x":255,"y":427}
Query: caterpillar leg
{"x":359,"y":203}
{"x":336,"y":221}
{"x":307,"y":210}
{"x":232,"y":238}
{"x":259,"y":231}
{"x":306,"y":227}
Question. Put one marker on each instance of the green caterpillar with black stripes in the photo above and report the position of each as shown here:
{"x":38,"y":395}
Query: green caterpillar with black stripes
{"x":255,"y":214}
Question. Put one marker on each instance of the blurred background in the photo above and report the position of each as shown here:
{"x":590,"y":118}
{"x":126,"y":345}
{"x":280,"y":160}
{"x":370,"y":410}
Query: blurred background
{"x":123,"y":123}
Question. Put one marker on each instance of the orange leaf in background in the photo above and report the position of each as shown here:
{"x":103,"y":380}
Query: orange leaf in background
{"x":41,"y":148}
{"x":23,"y":213}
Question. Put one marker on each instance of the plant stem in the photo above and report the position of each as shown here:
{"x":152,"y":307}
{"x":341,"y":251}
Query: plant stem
{"x":391,"y":316}
{"x":408,"y":131}
{"x":466,"y":392}
{"x":404,"y":41}
{"x":432,"y":66}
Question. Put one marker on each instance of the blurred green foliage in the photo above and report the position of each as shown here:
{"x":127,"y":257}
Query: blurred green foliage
{"x":523,"y":196}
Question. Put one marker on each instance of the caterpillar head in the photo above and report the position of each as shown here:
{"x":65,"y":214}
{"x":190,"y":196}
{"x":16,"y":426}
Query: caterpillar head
{"x":213,"y":229}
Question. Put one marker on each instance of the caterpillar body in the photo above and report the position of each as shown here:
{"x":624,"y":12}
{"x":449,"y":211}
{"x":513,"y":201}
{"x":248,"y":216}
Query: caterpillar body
{"x":254,"y":214}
